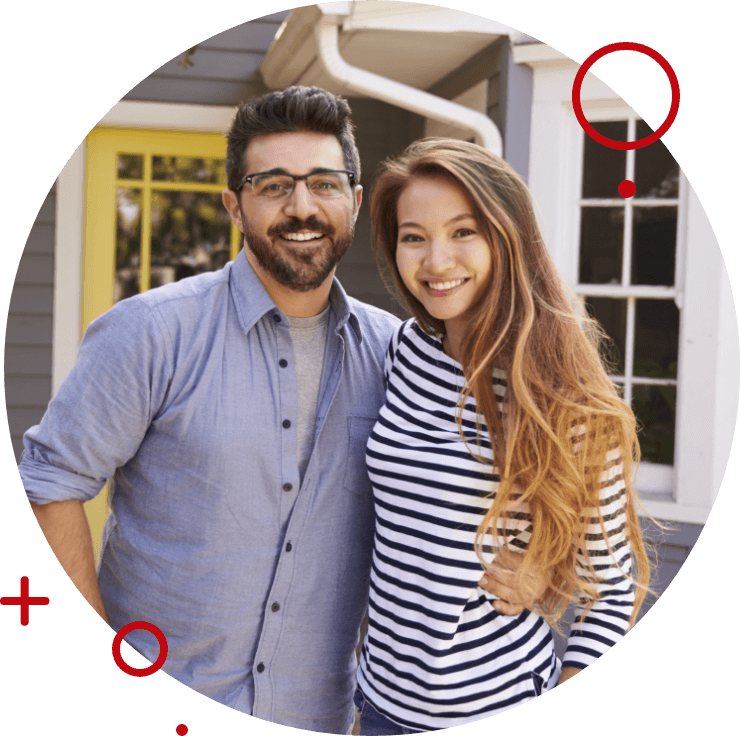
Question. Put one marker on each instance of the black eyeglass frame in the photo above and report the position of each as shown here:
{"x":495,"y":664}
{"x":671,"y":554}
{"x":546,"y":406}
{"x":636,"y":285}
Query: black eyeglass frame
{"x":295,"y":177}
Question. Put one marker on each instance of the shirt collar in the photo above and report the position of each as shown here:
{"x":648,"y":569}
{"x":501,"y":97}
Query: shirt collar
{"x":253,"y":302}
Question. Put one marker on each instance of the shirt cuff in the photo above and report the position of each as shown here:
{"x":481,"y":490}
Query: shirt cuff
{"x":45,"y":483}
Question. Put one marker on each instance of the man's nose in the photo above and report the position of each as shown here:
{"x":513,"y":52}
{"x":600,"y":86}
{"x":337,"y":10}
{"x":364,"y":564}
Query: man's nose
{"x":300,"y":202}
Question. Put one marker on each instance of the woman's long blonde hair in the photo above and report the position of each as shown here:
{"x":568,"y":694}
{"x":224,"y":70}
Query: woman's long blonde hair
{"x":562,"y":412}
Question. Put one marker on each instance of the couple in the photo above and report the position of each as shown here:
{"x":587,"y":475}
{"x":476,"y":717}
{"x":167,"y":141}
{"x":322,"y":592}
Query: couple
{"x":278,"y":452}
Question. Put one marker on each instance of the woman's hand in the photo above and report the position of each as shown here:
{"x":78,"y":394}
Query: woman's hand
{"x":516,"y":589}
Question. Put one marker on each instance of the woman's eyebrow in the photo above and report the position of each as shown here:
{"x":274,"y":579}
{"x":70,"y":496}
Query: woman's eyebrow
{"x":464,"y":216}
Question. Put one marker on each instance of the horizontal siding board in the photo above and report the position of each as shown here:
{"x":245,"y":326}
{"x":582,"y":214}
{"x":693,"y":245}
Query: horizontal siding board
{"x":32,"y":300}
{"x":213,"y":65}
{"x":41,"y":239}
{"x":19,"y":420}
{"x":27,"y":391}
{"x":203,"y":92}
{"x":17,"y":443}
{"x":36,"y":269}
{"x":29,"y":330}
{"x":275,"y":17}
{"x":27,"y":360}
{"x":46,"y":215}
{"x":252,"y":36}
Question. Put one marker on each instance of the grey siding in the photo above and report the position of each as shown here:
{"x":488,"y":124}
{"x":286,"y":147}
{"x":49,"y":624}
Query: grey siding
{"x":224,"y":68}
{"x":29,"y":330}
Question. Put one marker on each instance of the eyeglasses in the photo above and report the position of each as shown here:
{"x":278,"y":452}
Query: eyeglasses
{"x":324,"y":184}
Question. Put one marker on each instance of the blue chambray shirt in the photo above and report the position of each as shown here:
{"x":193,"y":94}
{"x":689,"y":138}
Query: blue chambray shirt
{"x":185,"y":398}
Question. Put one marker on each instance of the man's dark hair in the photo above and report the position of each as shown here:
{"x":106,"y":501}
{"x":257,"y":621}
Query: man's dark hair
{"x":296,"y":109}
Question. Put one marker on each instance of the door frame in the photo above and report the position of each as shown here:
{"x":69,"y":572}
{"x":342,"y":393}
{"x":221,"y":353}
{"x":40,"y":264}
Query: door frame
{"x":76,"y":299}
{"x":70,"y":214}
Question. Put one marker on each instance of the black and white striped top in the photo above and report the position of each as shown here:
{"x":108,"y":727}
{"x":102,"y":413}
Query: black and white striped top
{"x":437,"y":654}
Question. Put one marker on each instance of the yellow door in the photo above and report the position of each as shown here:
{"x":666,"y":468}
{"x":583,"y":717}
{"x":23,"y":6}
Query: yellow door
{"x":153,"y":215}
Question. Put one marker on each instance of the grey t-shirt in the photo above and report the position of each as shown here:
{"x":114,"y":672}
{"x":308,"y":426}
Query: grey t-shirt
{"x":309,"y":342}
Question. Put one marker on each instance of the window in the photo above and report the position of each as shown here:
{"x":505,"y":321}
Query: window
{"x":627,"y":276}
{"x":170,"y":222}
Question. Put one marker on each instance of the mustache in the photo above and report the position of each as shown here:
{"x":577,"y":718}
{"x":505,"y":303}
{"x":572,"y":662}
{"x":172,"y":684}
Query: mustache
{"x":294,"y":225}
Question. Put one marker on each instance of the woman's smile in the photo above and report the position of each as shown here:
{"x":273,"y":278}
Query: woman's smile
{"x":443,"y":288}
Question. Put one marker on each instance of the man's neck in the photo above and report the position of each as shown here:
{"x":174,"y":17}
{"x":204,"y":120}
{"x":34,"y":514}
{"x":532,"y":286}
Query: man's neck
{"x":294,"y":303}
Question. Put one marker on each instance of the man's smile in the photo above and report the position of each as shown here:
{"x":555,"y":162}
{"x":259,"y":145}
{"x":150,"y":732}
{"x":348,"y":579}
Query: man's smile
{"x":302,"y":236}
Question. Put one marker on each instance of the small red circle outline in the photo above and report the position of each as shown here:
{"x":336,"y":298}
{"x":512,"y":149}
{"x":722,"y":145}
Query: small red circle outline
{"x":591,"y":60}
{"x":127,"y":629}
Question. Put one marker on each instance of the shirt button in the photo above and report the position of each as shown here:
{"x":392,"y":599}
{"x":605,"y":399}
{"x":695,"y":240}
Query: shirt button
{"x":286,"y":424}
{"x":288,"y":547}
{"x":283,"y":363}
{"x":288,"y":487}
{"x":276,"y":317}
{"x":261,"y":667}
{"x":275,"y":607}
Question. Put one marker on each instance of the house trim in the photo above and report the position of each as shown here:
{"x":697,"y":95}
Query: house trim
{"x":70,"y":214}
{"x":707,"y":402}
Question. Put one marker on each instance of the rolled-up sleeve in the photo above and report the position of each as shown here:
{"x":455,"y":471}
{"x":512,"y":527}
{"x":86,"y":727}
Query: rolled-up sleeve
{"x":103,"y":409}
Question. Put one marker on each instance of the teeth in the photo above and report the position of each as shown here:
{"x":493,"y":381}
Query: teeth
{"x":444,"y":285}
{"x":302,"y":236}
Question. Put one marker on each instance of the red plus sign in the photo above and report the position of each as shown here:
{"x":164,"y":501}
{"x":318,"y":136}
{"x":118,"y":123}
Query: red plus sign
{"x":24,"y":601}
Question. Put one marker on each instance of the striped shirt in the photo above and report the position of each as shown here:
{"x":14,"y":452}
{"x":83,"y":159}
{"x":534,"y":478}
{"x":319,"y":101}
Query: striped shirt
{"x":436,"y":653}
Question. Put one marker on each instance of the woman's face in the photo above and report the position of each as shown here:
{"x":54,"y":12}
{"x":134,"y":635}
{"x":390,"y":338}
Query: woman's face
{"x":442,"y":255}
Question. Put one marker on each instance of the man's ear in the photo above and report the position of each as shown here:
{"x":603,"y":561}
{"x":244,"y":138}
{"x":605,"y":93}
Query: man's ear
{"x":358,"y":199}
{"x":231,"y":202}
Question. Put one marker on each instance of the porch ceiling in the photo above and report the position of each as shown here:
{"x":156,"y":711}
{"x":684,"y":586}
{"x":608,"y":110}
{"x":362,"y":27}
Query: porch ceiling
{"x":413,"y":44}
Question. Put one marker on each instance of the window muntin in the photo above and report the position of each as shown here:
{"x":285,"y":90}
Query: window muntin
{"x":627,"y":275}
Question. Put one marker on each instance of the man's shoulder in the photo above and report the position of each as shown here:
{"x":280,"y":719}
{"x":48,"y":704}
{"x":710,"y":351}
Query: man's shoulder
{"x":175,"y":301}
{"x":374,"y":320}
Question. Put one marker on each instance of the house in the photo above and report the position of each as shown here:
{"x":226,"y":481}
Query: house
{"x":138,"y":205}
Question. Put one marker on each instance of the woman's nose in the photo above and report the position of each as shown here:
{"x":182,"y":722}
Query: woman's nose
{"x":439,"y":257}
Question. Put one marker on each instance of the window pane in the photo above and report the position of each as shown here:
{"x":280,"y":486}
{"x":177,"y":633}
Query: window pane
{"x":603,"y":167}
{"x":182,"y":168}
{"x":191,"y":233}
{"x":655,"y":409}
{"x":656,"y":171}
{"x":612,"y":314}
{"x":602,"y":230}
{"x":130,"y":166}
{"x":656,"y":338}
{"x":654,"y":245}
{"x":128,"y":242}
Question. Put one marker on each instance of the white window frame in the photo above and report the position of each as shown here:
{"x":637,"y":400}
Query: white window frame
{"x":654,"y":479}
{"x":707,"y":389}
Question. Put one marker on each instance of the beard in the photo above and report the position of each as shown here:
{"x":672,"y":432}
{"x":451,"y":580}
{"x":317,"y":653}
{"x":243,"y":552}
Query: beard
{"x":297,"y":266}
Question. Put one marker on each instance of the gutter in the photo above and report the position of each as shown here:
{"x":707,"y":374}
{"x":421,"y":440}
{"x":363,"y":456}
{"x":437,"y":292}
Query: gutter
{"x":401,"y":95}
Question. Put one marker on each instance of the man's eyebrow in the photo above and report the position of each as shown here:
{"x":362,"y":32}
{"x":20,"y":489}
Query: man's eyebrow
{"x":464,"y":216}
{"x":280,"y":170}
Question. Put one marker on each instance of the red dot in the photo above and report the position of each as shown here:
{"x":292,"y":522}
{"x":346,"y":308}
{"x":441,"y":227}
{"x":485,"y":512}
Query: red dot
{"x":181,"y":730}
{"x":627,"y":188}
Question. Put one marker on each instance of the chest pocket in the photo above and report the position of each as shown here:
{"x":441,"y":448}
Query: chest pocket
{"x":355,"y":474}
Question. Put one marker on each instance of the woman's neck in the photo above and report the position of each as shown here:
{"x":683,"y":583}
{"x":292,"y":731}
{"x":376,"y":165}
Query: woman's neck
{"x":451,"y":343}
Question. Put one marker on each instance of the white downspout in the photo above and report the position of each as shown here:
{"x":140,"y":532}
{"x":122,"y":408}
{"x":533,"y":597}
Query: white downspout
{"x":401,"y":95}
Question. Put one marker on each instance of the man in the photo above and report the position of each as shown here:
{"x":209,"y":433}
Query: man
{"x":230,"y":412}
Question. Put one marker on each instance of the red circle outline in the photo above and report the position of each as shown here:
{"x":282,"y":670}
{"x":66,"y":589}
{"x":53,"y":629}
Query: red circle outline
{"x":152,"y":629}
{"x":578,"y":109}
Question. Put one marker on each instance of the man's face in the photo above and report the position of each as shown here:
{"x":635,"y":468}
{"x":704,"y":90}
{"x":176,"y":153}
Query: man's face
{"x":296,"y":240}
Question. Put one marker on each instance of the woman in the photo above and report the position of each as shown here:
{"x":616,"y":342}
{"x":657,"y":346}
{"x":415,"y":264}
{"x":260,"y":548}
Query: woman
{"x":498,"y":416}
